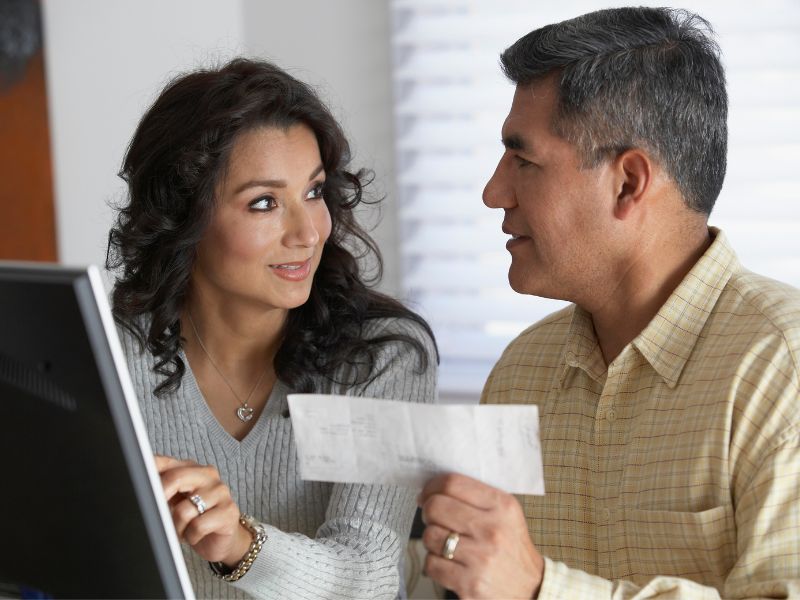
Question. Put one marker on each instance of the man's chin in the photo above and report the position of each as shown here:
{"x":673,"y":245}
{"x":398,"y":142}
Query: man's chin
{"x":521,"y":286}
{"x":522,"y":280}
{"x":530,"y":286}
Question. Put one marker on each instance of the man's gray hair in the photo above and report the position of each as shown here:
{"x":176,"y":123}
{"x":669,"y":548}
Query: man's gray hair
{"x":647,"y":78}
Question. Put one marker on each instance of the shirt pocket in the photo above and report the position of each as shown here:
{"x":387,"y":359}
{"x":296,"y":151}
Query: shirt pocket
{"x":700,"y":546}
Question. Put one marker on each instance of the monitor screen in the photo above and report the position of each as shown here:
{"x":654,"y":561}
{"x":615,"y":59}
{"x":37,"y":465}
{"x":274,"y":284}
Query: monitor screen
{"x":82,"y":511}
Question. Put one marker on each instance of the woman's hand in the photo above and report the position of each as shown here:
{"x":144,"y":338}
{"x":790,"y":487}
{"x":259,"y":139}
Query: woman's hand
{"x":215,"y":534}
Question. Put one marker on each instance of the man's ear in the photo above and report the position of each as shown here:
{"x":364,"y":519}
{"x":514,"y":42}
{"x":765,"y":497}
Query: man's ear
{"x":634,"y":176}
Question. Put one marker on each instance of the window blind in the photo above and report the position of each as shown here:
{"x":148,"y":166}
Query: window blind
{"x":450,"y":99}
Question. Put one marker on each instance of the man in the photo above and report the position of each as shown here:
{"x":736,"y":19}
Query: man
{"x":668,"y":390}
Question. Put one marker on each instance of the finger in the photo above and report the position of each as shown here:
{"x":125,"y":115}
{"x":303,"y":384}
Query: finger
{"x":222,"y":520}
{"x":185,"y":479}
{"x":184,"y":511}
{"x":468,"y":490}
{"x":434,"y":537}
{"x":447,"y":573}
{"x":452,"y":514}
{"x":176,"y":499}
{"x":164,"y":463}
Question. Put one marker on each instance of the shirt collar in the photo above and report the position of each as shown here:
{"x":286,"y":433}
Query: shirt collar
{"x":582,"y":349}
{"x":668,"y":340}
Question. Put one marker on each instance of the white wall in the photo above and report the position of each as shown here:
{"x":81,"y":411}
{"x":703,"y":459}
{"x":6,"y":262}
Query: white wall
{"x":343,"y":48}
{"x":107,"y":59}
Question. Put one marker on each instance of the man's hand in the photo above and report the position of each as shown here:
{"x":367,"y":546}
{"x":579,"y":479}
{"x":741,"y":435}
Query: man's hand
{"x":494,"y":557}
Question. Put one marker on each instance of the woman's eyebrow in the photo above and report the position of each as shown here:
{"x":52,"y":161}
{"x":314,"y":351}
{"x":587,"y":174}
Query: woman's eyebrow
{"x":275,"y":183}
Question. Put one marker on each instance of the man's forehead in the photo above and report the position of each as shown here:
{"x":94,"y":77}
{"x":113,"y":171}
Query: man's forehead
{"x":537,"y":96}
{"x":531,"y":109}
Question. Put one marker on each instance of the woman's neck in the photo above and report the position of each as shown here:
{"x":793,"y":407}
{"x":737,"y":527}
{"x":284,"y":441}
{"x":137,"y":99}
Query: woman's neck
{"x":231,"y":352}
{"x":239,"y":340}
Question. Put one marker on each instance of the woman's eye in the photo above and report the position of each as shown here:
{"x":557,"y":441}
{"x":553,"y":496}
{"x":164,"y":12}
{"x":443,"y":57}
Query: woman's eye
{"x":316,"y":192}
{"x":265,"y":203}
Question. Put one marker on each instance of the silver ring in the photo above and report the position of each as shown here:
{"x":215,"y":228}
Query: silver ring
{"x":450,"y":543}
{"x":198,"y":503}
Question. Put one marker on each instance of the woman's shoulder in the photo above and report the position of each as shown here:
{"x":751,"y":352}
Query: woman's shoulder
{"x":399,"y":335}
{"x":132,"y":335}
{"x":405,"y":361}
{"x":399,"y":325}
{"x":389,"y":348}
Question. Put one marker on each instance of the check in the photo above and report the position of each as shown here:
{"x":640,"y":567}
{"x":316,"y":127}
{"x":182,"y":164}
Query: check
{"x":364,"y":440}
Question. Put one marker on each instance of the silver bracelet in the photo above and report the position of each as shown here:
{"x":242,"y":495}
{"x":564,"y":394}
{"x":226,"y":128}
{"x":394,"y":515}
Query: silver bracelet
{"x":259,"y":537}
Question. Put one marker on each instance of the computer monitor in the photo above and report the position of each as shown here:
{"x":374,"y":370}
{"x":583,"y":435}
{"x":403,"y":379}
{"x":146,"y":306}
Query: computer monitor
{"x":82,"y":511}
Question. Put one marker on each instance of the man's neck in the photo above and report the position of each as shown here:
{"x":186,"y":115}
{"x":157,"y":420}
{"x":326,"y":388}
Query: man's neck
{"x":643,"y":287}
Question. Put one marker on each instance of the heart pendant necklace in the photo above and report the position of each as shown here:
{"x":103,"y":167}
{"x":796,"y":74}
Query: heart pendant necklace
{"x":245,"y":411}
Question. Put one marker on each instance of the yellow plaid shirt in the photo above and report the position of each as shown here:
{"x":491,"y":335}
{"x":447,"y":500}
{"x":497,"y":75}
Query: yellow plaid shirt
{"x":675,"y":471}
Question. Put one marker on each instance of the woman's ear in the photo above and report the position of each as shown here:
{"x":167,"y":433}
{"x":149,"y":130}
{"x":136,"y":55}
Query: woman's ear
{"x":634,"y":171}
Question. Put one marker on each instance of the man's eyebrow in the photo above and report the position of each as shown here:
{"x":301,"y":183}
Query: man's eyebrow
{"x":274,"y":183}
{"x":514,"y":142}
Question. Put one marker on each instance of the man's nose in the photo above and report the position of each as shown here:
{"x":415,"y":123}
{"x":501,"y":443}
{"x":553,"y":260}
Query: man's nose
{"x":498,"y":193}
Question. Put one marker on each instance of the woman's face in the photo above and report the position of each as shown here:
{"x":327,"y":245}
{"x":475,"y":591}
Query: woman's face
{"x":265,"y":239}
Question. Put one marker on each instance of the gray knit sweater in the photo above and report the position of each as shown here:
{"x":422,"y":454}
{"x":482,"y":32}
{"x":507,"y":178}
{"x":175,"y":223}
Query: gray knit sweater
{"x":324,"y":540}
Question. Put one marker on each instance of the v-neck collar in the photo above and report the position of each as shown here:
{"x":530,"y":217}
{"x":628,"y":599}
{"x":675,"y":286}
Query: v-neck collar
{"x":202,"y":411}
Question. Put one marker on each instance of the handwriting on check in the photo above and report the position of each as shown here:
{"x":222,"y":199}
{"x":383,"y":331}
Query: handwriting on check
{"x":367,"y":440}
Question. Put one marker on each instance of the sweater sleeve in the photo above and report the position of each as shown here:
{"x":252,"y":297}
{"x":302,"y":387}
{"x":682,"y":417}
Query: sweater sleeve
{"x":356,"y":551}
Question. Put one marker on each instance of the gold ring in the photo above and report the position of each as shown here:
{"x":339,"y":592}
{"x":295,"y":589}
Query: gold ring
{"x":450,"y":543}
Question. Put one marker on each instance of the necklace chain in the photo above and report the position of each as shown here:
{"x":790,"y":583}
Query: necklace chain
{"x":245,"y":411}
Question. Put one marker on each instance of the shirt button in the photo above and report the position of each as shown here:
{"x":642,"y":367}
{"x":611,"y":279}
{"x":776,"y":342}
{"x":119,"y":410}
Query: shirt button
{"x":611,"y":415}
{"x":605,"y":515}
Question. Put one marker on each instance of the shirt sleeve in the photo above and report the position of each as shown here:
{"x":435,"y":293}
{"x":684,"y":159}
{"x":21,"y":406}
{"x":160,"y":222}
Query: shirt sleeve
{"x":356,"y":551}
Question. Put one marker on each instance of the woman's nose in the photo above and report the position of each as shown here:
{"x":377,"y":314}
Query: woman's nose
{"x":301,"y":229}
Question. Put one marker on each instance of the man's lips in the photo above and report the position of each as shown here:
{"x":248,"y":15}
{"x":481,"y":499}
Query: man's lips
{"x":516,"y":238}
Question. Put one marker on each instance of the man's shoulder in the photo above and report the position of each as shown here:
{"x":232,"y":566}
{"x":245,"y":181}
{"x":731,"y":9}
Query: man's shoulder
{"x":761,"y":305}
{"x":753,"y":336}
{"x":551,"y":331}
{"x":530,"y":361}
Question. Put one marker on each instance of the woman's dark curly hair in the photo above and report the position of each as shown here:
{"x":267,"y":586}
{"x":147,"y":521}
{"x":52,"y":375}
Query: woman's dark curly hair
{"x":173,"y":164}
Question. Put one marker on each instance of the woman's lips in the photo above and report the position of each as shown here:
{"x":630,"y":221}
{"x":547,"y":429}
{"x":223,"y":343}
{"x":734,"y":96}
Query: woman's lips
{"x":292,"y":271}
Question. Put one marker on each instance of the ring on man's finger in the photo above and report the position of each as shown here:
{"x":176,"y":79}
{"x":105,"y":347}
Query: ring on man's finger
{"x":199,"y":504}
{"x":449,"y":547}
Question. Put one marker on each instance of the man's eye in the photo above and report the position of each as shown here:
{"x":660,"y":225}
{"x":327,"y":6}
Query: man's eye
{"x":265,"y":203}
{"x":521,"y":162}
{"x":316,"y":192}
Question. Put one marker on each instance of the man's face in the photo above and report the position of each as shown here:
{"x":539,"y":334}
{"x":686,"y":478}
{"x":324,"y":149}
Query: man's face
{"x":559,"y":215}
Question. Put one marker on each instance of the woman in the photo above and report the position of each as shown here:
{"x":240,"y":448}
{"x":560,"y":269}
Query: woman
{"x":237,"y":284}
